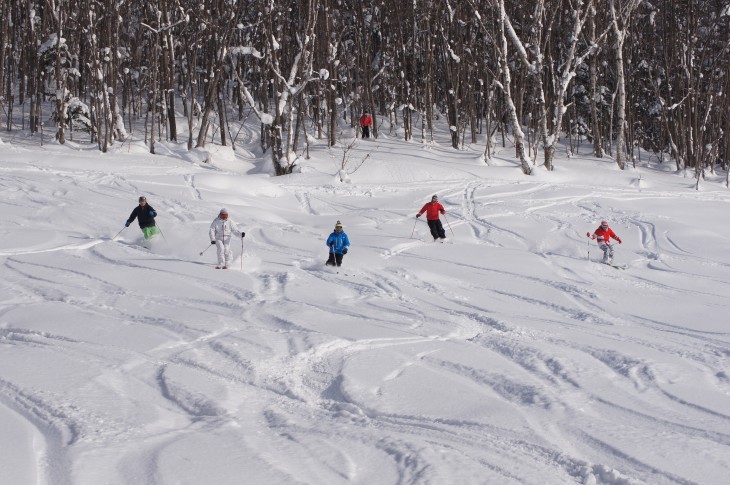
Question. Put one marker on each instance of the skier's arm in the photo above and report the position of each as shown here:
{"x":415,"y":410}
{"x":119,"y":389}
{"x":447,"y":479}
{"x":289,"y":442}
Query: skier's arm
{"x":330,"y":241}
{"x":441,"y":209}
{"x":152,"y":211}
{"x":132,"y":216}
{"x":423,"y":209}
{"x":613,"y":234}
{"x":347,"y":241}
{"x":211,"y":233}
{"x":235,"y":230}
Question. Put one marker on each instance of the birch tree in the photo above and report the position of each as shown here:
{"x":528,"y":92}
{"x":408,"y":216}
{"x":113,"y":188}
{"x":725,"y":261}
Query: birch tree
{"x":621,"y":12}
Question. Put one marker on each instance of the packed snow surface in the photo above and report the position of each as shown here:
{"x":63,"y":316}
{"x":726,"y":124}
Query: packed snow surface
{"x":503,"y":355}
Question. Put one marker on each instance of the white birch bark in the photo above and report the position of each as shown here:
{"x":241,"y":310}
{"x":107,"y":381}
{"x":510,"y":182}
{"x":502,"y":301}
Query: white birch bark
{"x":517,"y":132}
{"x":619,"y":24}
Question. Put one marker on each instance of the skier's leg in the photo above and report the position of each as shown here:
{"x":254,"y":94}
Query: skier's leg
{"x":150,"y":231}
{"x":228,"y":253}
{"x":219,"y":248}
{"x":434,"y":229}
{"x":440,"y":228}
{"x":331,"y":259}
{"x":604,"y":248}
{"x":338,"y":259}
{"x":610,"y":252}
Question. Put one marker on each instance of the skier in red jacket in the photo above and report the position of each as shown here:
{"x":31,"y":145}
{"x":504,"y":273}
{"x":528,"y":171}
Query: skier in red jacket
{"x":432,"y":210}
{"x":366,"y":121}
{"x":603,"y":235}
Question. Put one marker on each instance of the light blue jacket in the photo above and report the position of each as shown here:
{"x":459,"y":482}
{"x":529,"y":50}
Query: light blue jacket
{"x":339,"y":240}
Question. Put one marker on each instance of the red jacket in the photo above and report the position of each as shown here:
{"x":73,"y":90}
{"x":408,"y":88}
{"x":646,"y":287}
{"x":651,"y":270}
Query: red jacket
{"x":366,"y":120}
{"x":432,"y":210}
{"x":605,"y":235}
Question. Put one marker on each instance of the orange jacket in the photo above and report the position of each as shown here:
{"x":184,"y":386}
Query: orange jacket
{"x":432,"y":210}
{"x":605,"y":235}
{"x":366,"y":120}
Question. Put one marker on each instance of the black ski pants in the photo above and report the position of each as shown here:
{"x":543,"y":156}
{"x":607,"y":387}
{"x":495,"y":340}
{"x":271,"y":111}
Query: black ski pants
{"x":335,"y":259}
{"x":365,"y":131}
{"x":437,"y":230}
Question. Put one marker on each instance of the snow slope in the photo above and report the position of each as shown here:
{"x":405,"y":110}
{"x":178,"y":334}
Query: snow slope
{"x":503,"y":356}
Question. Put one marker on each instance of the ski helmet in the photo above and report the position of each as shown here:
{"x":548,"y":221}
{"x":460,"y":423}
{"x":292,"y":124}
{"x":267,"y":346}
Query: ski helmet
{"x":223,"y":214}
{"x":142,"y":198}
{"x":604,"y":223}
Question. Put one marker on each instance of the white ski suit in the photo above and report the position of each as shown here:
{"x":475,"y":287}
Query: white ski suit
{"x":221,"y":231}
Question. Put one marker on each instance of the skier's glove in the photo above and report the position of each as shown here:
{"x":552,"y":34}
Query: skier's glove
{"x":418,"y":215}
{"x":344,"y":251}
{"x":588,"y":234}
{"x":619,"y":240}
{"x":243,"y":234}
{"x":212,"y":242}
{"x":126,"y":224}
{"x":153,"y":214}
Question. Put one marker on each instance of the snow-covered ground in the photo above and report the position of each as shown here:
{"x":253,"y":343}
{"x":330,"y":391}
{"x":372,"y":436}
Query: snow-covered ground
{"x":502,"y":356}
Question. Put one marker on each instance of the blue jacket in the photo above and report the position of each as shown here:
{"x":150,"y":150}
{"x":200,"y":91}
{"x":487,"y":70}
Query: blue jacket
{"x":340,"y":241}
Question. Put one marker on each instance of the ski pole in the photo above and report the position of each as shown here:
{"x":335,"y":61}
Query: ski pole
{"x":162,"y":233}
{"x":449,"y":224}
{"x":206,"y":248}
{"x":241,"y":253}
{"x":588,"y":243}
{"x":119,"y":233}
{"x":414,"y":227}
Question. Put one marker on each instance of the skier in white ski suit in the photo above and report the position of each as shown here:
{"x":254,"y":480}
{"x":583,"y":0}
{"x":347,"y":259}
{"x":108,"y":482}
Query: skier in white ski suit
{"x":221,"y":231}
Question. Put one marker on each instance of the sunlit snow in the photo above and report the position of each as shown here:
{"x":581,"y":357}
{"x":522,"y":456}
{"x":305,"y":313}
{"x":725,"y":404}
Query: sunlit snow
{"x":503,"y":355}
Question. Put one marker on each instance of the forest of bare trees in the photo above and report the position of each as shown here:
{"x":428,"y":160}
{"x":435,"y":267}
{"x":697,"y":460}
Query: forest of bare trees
{"x":625,"y":75}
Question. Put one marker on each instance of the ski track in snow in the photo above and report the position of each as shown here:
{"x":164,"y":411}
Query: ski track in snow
{"x":504,"y":357}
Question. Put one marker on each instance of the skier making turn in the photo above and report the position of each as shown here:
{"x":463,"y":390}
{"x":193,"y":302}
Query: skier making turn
{"x":221,"y":231}
{"x":603,"y":235}
{"x":432,"y":210}
{"x":145,"y":215}
{"x":338,"y":242}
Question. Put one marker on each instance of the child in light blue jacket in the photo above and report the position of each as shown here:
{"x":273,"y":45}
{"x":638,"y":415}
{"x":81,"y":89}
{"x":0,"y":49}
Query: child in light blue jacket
{"x":338,"y":242}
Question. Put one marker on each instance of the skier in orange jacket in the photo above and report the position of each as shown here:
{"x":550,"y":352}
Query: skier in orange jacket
{"x":432,"y":210}
{"x":603,"y":235}
{"x":366,"y":121}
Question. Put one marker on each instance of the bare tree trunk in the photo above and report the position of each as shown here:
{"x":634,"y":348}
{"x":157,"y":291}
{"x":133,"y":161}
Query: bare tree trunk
{"x":620,"y":27}
{"x":60,"y":85}
{"x":593,"y":66}
{"x":507,"y":92}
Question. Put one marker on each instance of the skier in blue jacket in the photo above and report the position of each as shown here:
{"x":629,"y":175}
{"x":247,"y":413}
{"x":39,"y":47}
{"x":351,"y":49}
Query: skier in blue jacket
{"x":338,"y":243}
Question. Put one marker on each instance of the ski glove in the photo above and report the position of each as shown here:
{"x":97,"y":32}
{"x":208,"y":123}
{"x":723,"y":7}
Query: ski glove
{"x":126,"y":224}
{"x":344,"y":251}
{"x":619,"y":240}
{"x":243,"y":234}
{"x":153,"y":214}
{"x":418,"y":215}
{"x":212,"y":242}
